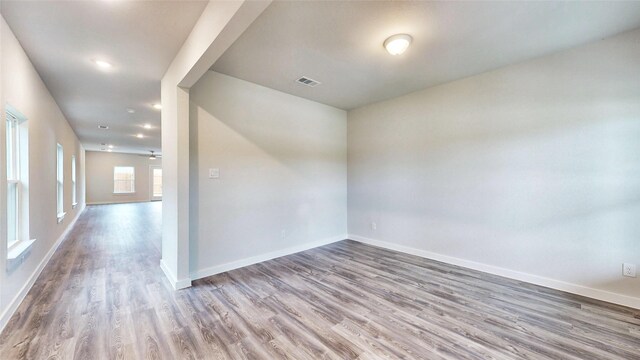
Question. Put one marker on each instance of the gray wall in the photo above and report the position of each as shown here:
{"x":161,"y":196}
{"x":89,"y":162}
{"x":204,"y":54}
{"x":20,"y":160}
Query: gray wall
{"x":532,"y":168}
{"x":283,"y":167}
{"x":23,"y":89}
{"x":100,"y":177}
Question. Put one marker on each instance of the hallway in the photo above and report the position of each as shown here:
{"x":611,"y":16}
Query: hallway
{"x":103,"y":296}
{"x":103,"y":279}
{"x":320,"y":180}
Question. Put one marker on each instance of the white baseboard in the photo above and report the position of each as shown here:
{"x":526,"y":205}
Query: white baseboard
{"x":512,"y":274}
{"x":117,"y":202}
{"x":263,"y":257}
{"x":175,"y":283}
{"x":17,"y":300}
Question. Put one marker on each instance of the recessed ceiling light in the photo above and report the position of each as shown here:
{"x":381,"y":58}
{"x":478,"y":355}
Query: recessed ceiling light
{"x":109,"y":150}
{"x":157,"y":106}
{"x":397,"y":44}
{"x":103,"y":64}
{"x":103,"y":127}
{"x":110,"y":146}
{"x":130,"y":111}
{"x":139,"y":136}
{"x":147,"y":126}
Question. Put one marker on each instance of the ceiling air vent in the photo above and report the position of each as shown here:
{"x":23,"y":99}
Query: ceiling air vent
{"x":309,"y":82}
{"x":103,"y":127}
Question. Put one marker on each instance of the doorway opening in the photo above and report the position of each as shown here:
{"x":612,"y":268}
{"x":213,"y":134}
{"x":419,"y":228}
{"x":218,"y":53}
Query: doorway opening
{"x":155,"y":176}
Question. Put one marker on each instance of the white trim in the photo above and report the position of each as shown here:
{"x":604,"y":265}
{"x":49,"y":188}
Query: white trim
{"x":175,"y":283}
{"x":116,"y":202}
{"x":74,"y":185}
{"x":151,"y":179}
{"x":512,"y":274}
{"x":202,"y":273}
{"x":17,"y":300}
{"x":18,"y":248}
{"x":60,"y":182}
{"x":12,"y":243}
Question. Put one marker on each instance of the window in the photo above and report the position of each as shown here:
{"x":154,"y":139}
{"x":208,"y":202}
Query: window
{"x":123,"y":180}
{"x":60,"y":182}
{"x":13,"y":180}
{"x":157,"y":182}
{"x":74,"y":200}
{"x":17,"y":147}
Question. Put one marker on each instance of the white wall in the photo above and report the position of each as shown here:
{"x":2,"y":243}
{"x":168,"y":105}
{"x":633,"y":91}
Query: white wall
{"x":217,"y":28}
{"x":100,"y":177}
{"x":534,"y":168}
{"x":23,"y":89}
{"x":282,"y":162}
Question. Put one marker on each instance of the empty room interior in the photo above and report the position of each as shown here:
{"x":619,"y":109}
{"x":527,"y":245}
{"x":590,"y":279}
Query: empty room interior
{"x":319,"y":179}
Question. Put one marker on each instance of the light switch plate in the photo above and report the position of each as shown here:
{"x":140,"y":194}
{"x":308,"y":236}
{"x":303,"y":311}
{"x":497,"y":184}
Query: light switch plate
{"x":214,"y":173}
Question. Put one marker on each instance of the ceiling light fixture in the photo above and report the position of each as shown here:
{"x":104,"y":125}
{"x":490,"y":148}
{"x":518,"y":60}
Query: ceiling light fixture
{"x":109,"y":150}
{"x":110,"y":146}
{"x":157,"y":106}
{"x":130,"y":111}
{"x":103,"y":64}
{"x":397,"y":44}
{"x":139,"y":136}
{"x":147,"y":126}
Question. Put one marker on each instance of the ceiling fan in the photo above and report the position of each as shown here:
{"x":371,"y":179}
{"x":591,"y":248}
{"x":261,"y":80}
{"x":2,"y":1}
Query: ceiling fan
{"x":153,"y":156}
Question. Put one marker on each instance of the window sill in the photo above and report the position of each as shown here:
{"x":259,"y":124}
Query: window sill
{"x":19,"y":248}
{"x":61,"y":217}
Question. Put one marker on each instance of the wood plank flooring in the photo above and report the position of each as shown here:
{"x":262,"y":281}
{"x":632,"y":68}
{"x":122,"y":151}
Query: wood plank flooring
{"x":103,"y":296}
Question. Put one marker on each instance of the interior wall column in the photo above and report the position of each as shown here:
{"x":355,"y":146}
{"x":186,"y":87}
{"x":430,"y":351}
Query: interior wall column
{"x":220,"y":24}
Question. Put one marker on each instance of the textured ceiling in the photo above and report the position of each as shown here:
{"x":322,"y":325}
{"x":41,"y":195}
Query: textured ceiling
{"x":340,"y":43}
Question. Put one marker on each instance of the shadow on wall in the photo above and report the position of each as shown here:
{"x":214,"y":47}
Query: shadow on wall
{"x":282,"y":162}
{"x":292,"y":131}
{"x":194,"y":184}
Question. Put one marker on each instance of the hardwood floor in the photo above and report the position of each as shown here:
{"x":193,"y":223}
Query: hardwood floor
{"x":103,"y":296}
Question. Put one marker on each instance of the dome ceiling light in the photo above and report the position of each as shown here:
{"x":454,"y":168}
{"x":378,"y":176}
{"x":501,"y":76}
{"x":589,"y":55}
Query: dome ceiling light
{"x":397,"y":44}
